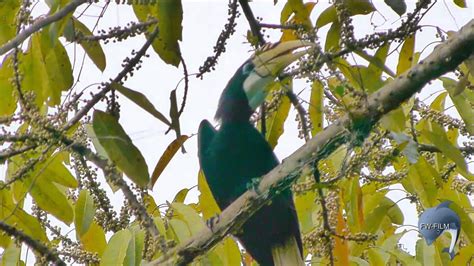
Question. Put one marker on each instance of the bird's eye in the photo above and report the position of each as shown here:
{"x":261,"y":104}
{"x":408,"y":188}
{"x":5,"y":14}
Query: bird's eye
{"x":247,"y":68}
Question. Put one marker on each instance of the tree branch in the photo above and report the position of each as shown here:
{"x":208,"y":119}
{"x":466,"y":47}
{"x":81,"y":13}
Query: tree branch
{"x":38,"y":25}
{"x":254,"y":26}
{"x":443,"y":59}
{"x":32,"y":243}
{"x":432,"y":148}
{"x":129,"y":66}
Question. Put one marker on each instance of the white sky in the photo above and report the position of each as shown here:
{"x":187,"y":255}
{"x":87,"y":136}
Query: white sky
{"x":202,"y":23}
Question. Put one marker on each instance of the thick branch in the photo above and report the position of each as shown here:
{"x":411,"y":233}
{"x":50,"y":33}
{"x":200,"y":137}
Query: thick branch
{"x":38,"y":25}
{"x":444,"y":58}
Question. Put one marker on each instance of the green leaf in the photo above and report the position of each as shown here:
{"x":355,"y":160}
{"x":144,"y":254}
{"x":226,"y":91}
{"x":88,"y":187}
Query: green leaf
{"x":49,"y":197}
{"x":46,"y":69}
{"x":460,"y":3}
{"x":8,"y":103}
{"x":94,"y":239}
{"x":188,"y":215}
{"x":166,"y":158}
{"x":376,"y":61}
{"x":404,"y":257}
{"x":465,"y":255}
{"x":119,"y":147}
{"x":151,"y":206}
{"x":304,"y":204}
{"x":19,"y":218}
{"x":354,"y":7}
{"x":467,"y":223}
{"x":11,"y":255}
{"x":377,"y":256}
{"x":93,"y":49}
{"x":84,"y":213}
{"x":181,"y":195}
{"x":55,"y":171}
{"x":139,"y":99}
{"x":276,"y":119}
{"x":228,"y":253}
{"x":302,"y":12}
{"x":316,"y":106}
{"x":425,"y":254}
{"x":8,"y":15}
{"x":438,"y":102}
{"x":100,"y":151}
{"x":174,"y":114}
{"x":207,"y":203}
{"x":296,"y":7}
{"x":354,"y":203}
{"x":358,"y":261}
{"x":116,"y":249}
{"x":332,"y":38}
{"x":45,"y":184}
{"x":394,"y":212}
{"x":463,"y":102}
{"x":135,"y":248}
{"x":405,"y":60}
{"x":372,"y":78}
{"x":170,"y":16}
{"x":448,"y":149}
{"x":420,"y":181}
{"x":179,"y":229}
{"x":399,"y":6}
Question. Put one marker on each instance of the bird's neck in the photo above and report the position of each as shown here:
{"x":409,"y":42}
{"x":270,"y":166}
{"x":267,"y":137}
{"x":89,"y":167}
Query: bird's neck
{"x":235,"y":111}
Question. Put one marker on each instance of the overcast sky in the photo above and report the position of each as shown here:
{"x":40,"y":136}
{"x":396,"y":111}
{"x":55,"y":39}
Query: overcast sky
{"x":202,"y":23}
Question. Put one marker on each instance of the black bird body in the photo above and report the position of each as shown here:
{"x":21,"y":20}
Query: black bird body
{"x":233,"y":156}
{"x":229,"y":167}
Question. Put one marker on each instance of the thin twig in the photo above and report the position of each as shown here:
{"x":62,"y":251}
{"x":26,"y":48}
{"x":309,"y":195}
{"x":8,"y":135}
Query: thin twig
{"x":277,"y":26}
{"x":301,"y":113}
{"x":130,"y":65}
{"x":32,"y":243}
{"x":7,"y":154}
{"x":322,"y":201}
{"x":39,"y":24}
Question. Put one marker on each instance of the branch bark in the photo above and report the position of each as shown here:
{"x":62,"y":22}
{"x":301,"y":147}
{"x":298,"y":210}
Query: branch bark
{"x":36,"y":245}
{"x":443,"y":59}
{"x":38,"y":25}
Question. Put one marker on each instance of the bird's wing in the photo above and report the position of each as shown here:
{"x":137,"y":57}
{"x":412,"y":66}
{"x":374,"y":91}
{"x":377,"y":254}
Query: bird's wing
{"x":205,"y":135}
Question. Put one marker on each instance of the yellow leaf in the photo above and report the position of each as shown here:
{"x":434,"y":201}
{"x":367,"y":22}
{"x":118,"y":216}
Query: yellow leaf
{"x":8,"y":103}
{"x":94,"y":239}
{"x":405,"y":60}
{"x":341,"y":248}
{"x":166,"y":158}
{"x":276,"y":120}
{"x":93,"y":49}
{"x":207,"y":203}
{"x":316,"y":106}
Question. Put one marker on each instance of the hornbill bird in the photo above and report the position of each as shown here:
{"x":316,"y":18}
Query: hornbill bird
{"x":237,"y":153}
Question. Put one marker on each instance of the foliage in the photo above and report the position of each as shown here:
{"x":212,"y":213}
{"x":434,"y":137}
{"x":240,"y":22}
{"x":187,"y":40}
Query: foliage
{"x":53,"y":143}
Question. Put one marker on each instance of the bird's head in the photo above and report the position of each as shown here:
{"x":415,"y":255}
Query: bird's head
{"x":248,"y":87}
